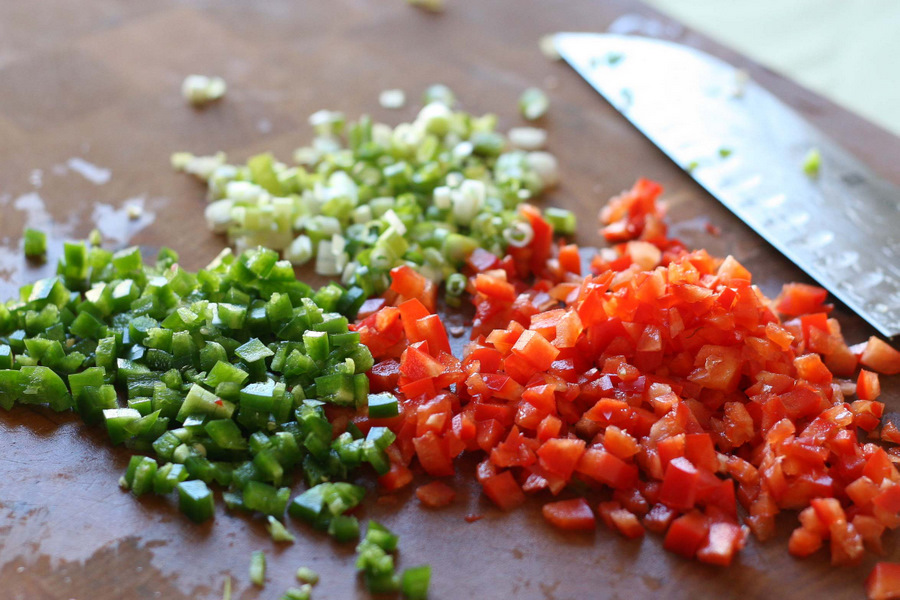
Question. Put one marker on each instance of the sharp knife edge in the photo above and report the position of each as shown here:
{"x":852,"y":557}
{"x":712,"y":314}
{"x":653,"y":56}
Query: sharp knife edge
{"x":842,"y":227}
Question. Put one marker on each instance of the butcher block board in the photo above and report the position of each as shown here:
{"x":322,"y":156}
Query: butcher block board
{"x":90,"y":110}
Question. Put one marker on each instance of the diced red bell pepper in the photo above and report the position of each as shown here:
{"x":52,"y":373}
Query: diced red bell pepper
{"x":432,"y":330}
{"x":679,"y":488}
{"x":488,"y":434}
{"x":620,"y":519}
{"x":435,"y":494}
{"x":800,"y":299}
{"x":572,"y":514}
{"x":620,"y":443}
{"x":503,"y":490}
{"x":411,"y":312}
{"x":494,"y":287}
{"x":804,"y":542}
{"x":548,"y":428}
{"x":846,"y":544}
{"x":384,"y":375}
{"x":399,"y":476}
{"x":867,"y":385}
{"x":418,"y":364}
{"x":687,"y":534}
{"x":722,"y":542}
{"x":880,"y":356}
{"x":883,"y":582}
{"x":535,"y":348}
{"x":561,"y":456}
{"x":433,"y":454}
{"x":606,"y":468}
{"x":659,"y":518}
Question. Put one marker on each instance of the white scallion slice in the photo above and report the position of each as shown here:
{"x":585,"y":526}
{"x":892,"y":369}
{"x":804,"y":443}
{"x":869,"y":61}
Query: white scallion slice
{"x":392,"y":99}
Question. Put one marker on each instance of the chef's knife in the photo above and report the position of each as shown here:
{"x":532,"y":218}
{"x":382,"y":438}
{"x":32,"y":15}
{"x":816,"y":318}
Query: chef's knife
{"x":747,"y":148}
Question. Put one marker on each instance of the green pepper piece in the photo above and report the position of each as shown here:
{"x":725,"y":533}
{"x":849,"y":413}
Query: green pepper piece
{"x":414,"y":582}
{"x":383,"y":405}
{"x":35,"y":242}
{"x":195,"y":500}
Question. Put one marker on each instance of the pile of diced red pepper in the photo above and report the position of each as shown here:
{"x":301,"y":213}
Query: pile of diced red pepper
{"x":690,"y":404}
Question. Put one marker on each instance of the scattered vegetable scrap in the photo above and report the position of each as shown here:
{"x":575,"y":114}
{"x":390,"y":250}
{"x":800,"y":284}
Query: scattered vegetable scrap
{"x":392,"y":99}
{"x":533,"y":104}
{"x":812,"y":162}
{"x":435,"y":6}
{"x":35,"y":244}
{"x":200,"y":90}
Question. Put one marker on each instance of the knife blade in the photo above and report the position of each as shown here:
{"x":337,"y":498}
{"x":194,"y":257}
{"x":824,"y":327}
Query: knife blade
{"x":746,"y":148}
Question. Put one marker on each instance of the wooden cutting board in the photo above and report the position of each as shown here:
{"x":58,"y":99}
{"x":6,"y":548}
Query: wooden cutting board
{"x":90,"y":110}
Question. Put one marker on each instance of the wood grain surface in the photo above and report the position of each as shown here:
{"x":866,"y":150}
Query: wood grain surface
{"x":98,"y":82}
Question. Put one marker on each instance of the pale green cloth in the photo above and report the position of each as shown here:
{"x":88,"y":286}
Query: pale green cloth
{"x":846,"y":50}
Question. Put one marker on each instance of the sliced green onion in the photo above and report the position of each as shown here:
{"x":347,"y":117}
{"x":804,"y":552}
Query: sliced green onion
{"x":439,"y":93}
{"x":302,"y":593}
{"x":545,"y":167}
{"x":258,"y":568}
{"x":200,"y":89}
{"x":201,"y":167}
{"x":327,"y":122}
{"x":307,"y":575}
{"x":533,"y":104}
{"x":519,"y":234}
{"x":278,"y":531}
{"x":218,"y":215}
{"x":392,"y":99}
{"x":367,"y":197}
{"x":527,"y":138}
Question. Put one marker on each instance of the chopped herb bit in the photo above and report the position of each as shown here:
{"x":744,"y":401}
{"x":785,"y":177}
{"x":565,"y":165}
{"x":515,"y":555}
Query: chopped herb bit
{"x":614,"y":58}
{"x":812,"y":162}
{"x":725,"y":152}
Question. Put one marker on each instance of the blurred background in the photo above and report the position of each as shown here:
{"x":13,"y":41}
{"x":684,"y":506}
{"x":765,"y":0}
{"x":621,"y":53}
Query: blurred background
{"x":846,"y":50}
